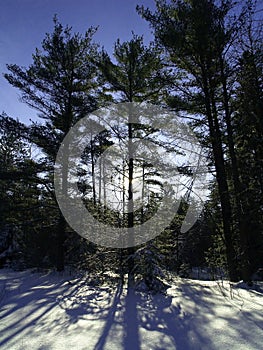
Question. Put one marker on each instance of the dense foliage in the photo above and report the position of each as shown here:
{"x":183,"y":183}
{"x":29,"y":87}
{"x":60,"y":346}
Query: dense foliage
{"x":205,"y":64}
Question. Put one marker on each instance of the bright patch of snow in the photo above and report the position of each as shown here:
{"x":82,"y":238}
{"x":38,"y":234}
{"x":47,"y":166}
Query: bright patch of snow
{"x":54,"y":312}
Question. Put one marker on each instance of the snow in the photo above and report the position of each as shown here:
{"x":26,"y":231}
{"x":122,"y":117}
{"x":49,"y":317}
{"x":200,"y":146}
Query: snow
{"x":56,"y":312}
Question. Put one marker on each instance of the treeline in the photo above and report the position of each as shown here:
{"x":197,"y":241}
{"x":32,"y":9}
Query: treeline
{"x":206,"y":65}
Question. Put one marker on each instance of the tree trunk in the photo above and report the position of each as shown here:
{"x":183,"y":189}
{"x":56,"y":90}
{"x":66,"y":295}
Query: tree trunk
{"x":238,"y":187}
{"x":216,"y":140}
{"x":92,"y":151}
{"x":130,"y":206}
{"x":60,"y":259}
{"x":61,"y":228}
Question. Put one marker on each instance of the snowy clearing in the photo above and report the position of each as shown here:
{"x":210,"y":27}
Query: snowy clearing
{"x":47,"y":312}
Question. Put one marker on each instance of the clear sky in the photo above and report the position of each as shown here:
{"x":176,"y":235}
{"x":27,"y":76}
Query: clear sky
{"x":23,"y":24}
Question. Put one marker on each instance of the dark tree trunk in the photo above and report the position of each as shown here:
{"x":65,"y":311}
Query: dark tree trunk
{"x":60,"y":259}
{"x":221,"y":176}
{"x":241,"y":219}
{"x":92,"y":151}
{"x":130,"y":207}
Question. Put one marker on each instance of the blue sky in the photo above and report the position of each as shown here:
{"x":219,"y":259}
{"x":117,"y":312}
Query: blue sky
{"x":23,"y":24}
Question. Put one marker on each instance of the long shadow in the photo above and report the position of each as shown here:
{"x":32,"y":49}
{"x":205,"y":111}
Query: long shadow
{"x":157,"y":321}
{"x":30,"y":297}
{"x":110,"y":318}
{"x":84,"y":301}
{"x":131,"y":337}
{"x":125,"y":302}
{"x":140,"y":314}
{"x":133,"y":320}
{"x":206,"y":300}
{"x":21,"y":291}
{"x":158,"y":315}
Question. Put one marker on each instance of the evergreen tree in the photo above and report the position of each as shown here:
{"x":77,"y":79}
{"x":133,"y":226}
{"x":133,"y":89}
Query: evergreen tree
{"x":135,"y":75}
{"x":19,"y":190}
{"x":198,"y":39}
{"x":248,"y":133}
{"x":61,"y":85}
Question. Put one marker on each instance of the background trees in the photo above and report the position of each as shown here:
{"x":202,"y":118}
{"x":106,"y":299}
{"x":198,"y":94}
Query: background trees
{"x":247,"y":124}
{"x":20,"y":206}
{"x":61,"y":85}
{"x":206,"y":64}
{"x":198,"y":37}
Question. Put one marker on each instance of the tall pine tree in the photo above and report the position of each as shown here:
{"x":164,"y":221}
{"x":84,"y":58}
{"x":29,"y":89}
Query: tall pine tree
{"x":60,"y":84}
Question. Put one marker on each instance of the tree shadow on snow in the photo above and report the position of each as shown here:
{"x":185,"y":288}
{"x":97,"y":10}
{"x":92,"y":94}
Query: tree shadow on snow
{"x":163,"y":324}
{"x":26,"y":299}
{"x":141,"y":320}
{"x":153,"y":322}
{"x":129,"y":321}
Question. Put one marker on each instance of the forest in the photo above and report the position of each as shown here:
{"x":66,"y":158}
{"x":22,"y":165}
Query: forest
{"x":205,"y":70}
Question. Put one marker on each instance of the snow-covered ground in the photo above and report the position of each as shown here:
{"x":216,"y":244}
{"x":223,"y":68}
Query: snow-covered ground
{"x":47,"y":312}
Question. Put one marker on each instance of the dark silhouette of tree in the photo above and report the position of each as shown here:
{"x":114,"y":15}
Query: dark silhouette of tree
{"x":198,"y":37}
{"x":61,"y":85}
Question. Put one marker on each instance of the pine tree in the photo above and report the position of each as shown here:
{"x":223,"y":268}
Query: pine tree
{"x":135,"y":75}
{"x":198,"y":39}
{"x":19,"y":190}
{"x":248,"y":133}
{"x":61,"y":85}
